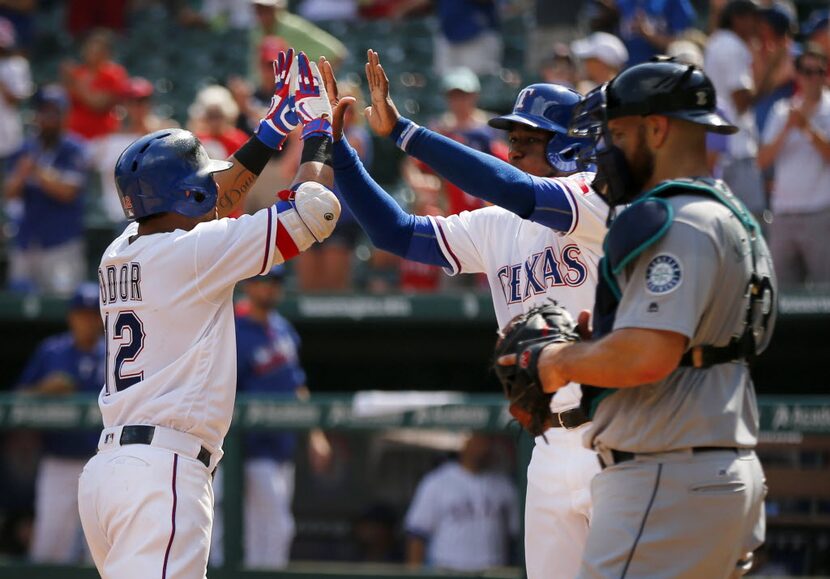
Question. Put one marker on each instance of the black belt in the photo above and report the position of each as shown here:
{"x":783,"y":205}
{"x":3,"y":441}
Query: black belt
{"x":143,"y":434}
{"x":623,"y":456}
{"x":569,"y":418}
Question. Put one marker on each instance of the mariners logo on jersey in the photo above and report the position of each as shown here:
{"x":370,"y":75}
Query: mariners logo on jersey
{"x":663,"y":274}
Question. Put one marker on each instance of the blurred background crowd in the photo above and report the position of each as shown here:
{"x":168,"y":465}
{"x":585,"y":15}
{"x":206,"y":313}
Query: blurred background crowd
{"x":80,"y":80}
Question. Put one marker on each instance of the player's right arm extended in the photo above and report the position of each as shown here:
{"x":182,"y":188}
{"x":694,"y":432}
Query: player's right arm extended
{"x":388,"y":226}
{"x":544,"y":201}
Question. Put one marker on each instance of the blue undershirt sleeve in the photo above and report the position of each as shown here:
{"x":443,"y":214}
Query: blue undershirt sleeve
{"x":388,"y":226}
{"x":487,"y":177}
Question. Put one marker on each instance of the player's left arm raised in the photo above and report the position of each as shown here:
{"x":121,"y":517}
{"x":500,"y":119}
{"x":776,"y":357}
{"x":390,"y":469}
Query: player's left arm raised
{"x":250,"y":159}
{"x":475,"y":172}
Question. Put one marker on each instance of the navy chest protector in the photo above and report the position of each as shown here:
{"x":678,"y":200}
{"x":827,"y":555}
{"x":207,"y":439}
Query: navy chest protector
{"x":644,"y":223}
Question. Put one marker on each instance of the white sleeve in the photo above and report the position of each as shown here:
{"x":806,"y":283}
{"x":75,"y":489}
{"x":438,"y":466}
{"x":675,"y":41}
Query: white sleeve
{"x":514,"y":526}
{"x":422,"y":516}
{"x":230,"y":250}
{"x":461,"y":238}
{"x":730,"y":66}
{"x":590,"y":212}
{"x":19,"y":79}
{"x":775,"y":121}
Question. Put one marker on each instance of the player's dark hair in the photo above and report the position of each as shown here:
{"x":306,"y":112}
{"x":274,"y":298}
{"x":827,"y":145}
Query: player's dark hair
{"x":147,"y":218}
{"x":734,"y":9}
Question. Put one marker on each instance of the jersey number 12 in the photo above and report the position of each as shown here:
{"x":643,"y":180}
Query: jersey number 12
{"x":128,"y":333}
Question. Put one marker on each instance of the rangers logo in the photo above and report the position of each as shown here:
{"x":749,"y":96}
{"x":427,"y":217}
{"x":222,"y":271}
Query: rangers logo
{"x":663,"y":274}
{"x":524,"y":359}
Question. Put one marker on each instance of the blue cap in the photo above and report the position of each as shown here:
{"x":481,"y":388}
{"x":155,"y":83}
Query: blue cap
{"x":86,"y":297}
{"x":51,"y":94}
{"x":816,"y":23}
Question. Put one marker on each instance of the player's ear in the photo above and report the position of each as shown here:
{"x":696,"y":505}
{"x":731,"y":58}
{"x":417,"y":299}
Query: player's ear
{"x":657,"y":130}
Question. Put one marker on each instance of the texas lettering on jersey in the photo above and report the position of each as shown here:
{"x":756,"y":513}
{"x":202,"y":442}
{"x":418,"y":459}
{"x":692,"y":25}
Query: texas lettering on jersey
{"x":553,"y":267}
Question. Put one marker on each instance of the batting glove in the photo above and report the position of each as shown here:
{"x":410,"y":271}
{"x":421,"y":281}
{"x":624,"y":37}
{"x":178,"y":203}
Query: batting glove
{"x":280,"y":118}
{"x":311,"y":102}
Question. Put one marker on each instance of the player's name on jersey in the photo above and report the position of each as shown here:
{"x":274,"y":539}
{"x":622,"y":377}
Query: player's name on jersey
{"x":120,"y":283}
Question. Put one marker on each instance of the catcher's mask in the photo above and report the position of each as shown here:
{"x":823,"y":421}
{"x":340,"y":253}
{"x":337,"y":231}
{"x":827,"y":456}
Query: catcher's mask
{"x":660,"y":87}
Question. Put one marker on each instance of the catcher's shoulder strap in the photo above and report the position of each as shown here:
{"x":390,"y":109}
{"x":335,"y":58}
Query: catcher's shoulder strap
{"x":759,"y":290}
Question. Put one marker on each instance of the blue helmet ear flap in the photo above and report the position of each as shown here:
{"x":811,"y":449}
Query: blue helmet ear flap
{"x":565,"y":154}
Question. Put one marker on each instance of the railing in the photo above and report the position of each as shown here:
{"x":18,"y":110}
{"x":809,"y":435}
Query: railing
{"x":783,"y":419}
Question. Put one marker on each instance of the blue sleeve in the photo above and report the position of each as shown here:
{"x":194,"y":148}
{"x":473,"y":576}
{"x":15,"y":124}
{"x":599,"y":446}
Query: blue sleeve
{"x":36,"y":368}
{"x":542,"y":200}
{"x":680,"y":15}
{"x":388,"y":226}
{"x":243,"y":367}
{"x":479,"y":174}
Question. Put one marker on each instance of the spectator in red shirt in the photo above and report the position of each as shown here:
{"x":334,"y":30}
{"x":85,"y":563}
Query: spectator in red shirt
{"x":463,"y":122}
{"x":95,"y":86}
{"x":213,"y":119}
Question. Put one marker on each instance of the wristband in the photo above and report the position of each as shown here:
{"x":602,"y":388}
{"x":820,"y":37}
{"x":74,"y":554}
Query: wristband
{"x":403,"y":131}
{"x":254,"y":155}
{"x":316,"y":128}
{"x":317,"y":148}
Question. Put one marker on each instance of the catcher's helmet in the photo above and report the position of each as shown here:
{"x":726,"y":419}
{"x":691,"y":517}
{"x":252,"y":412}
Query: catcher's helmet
{"x":661,"y":87}
{"x":168,"y":170}
{"x":548,"y":107}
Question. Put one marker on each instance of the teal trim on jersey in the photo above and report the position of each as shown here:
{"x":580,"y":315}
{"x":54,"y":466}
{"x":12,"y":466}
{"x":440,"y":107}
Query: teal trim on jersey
{"x":610,"y":279}
{"x":648,"y":242}
{"x":732,"y":203}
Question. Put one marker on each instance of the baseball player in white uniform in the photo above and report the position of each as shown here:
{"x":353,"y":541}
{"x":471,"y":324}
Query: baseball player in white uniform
{"x":541,"y":240}
{"x":145,"y":500}
{"x":463,"y":514}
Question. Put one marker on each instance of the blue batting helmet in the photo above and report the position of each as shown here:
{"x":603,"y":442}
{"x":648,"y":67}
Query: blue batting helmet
{"x":168,"y":170}
{"x":549,"y":107}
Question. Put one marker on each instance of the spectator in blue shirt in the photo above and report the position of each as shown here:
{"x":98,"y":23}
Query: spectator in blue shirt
{"x":647,"y":27}
{"x":267,"y":363}
{"x":68,"y":363}
{"x":48,"y":174}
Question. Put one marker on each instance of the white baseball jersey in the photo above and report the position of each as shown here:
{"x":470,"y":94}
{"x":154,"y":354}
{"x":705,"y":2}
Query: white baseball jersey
{"x":166,"y":300}
{"x":466,"y":518}
{"x":527,"y":263}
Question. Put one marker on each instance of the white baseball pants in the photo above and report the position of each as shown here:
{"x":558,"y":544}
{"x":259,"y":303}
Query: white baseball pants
{"x":268,"y":522}
{"x":56,"y":537}
{"x":146,"y":511}
{"x":558,"y":504}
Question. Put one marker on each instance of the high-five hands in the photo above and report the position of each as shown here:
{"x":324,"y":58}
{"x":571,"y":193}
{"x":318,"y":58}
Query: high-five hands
{"x":280,"y":119}
{"x":382,"y":116}
{"x":299,"y":99}
{"x":311,"y":102}
{"x":339,"y":105}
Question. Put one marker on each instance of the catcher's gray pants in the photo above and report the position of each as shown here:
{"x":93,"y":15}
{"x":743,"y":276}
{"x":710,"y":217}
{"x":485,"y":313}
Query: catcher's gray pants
{"x":675,"y":515}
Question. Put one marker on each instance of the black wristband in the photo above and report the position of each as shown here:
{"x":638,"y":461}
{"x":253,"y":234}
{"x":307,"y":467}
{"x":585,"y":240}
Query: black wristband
{"x":254,"y":155}
{"x":317,"y":149}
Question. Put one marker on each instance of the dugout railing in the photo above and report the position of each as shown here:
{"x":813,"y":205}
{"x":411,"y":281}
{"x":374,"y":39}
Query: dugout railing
{"x":786,"y":423}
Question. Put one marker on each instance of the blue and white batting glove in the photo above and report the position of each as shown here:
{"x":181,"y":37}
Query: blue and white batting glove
{"x":311,"y":102}
{"x":280,"y":119}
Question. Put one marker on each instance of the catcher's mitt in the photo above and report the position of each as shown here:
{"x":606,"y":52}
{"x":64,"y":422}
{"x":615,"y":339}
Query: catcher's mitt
{"x":525,"y":336}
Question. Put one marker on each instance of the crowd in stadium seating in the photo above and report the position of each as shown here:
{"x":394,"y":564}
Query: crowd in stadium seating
{"x":777,"y":163}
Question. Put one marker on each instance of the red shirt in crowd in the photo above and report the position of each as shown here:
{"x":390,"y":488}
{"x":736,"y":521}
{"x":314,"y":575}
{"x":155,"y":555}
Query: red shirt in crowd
{"x":109,"y":78}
